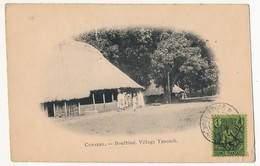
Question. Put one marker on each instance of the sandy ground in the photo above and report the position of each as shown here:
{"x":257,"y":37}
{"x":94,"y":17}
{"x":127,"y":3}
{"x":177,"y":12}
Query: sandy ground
{"x":149,"y":119}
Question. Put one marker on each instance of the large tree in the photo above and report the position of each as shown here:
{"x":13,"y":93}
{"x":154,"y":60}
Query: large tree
{"x":163,"y":55}
{"x":183,"y":59}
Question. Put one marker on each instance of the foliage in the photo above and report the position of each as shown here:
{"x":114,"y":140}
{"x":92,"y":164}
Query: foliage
{"x":147,"y":54}
{"x":128,"y":49}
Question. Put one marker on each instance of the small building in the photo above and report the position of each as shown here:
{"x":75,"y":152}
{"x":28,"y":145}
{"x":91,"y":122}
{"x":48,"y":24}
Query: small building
{"x":155,"y":93}
{"x":81,"y":80}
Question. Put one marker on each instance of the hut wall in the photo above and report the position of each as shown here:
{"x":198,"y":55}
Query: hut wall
{"x":60,"y":111}
{"x":48,"y":107}
{"x":72,"y":110}
{"x":84,"y":109}
{"x":154,"y":99}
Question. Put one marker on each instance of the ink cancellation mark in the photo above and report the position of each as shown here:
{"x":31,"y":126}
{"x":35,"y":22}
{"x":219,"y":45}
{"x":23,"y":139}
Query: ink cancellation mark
{"x":223,"y":126}
{"x":214,"y":109}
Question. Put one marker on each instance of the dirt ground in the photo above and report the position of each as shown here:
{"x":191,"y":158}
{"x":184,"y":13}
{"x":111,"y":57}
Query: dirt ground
{"x":149,"y":119}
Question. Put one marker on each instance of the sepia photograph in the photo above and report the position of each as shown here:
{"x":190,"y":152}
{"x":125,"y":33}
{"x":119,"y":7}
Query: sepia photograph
{"x":130,"y":81}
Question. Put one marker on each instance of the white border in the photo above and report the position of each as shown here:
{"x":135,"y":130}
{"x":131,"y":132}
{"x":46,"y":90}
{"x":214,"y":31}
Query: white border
{"x":4,"y":123}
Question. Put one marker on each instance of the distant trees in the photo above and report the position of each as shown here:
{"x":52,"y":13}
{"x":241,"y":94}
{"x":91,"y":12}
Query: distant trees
{"x":166,"y":56}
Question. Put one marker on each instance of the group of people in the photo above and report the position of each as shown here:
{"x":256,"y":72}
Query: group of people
{"x":127,"y":99}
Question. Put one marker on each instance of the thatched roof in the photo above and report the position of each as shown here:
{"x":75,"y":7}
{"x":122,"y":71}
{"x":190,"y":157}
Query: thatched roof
{"x":176,"y":89}
{"x":75,"y":69}
{"x":154,"y":90}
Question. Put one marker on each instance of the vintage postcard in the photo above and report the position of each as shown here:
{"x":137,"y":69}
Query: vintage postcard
{"x":129,"y":83}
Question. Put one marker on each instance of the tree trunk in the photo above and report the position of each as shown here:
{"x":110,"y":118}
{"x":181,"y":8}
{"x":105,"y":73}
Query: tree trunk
{"x":175,"y":79}
{"x":169,"y":88}
{"x":165,"y":96}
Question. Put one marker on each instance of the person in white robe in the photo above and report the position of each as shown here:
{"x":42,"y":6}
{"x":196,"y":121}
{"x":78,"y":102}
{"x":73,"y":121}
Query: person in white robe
{"x":140,"y":99}
{"x":129,"y":99}
{"x":120,"y":101}
{"x":134,"y":102}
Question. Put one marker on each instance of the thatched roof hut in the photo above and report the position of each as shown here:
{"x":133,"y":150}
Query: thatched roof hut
{"x":77,"y":70}
{"x":176,"y":89}
{"x":154,"y":90}
{"x":155,"y":93}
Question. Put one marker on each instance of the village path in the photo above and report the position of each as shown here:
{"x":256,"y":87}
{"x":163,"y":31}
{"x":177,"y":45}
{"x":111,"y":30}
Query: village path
{"x":149,"y":119}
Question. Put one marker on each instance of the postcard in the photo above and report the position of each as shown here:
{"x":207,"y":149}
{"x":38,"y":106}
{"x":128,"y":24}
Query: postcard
{"x":129,"y":83}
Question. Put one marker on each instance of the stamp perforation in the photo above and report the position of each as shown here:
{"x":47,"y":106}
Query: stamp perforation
{"x":236,"y":153}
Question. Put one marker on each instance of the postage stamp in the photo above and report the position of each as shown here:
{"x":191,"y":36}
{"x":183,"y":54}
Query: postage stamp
{"x":229,"y":135}
{"x":214,"y":109}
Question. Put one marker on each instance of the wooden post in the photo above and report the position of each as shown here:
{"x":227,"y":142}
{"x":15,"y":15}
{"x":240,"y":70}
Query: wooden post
{"x":54,"y":109}
{"x":65,"y":107}
{"x":69,"y":112}
{"x":74,"y":111}
{"x":43,"y":105}
{"x":47,"y":111}
{"x":79,"y":107}
{"x":94,"y":103}
{"x":43,"y":110}
{"x":104,"y":100}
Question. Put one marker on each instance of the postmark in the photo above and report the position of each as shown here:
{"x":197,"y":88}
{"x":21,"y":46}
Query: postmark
{"x":214,"y":109}
{"x":223,"y":126}
{"x":228,"y":135}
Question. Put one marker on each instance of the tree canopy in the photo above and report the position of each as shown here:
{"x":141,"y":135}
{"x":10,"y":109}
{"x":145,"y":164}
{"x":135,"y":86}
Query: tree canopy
{"x":147,"y":54}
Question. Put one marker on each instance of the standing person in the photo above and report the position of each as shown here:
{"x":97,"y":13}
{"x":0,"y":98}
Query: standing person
{"x":125,"y":100}
{"x":134,"y":102}
{"x":129,"y":98}
{"x":140,"y":99}
{"x":118,"y":100}
{"x":120,"y":105}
